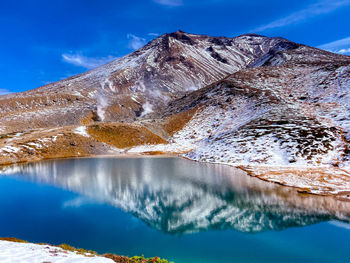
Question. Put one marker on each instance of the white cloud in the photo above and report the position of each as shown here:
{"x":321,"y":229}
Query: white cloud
{"x":136,"y":42}
{"x":86,"y":62}
{"x":169,"y":2}
{"x":341,"y":46}
{"x":344,"y":51}
{"x":153,"y":34}
{"x":4,"y":91}
{"x":319,"y":8}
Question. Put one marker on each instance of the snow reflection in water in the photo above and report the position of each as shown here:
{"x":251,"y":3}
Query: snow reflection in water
{"x":179,"y":196}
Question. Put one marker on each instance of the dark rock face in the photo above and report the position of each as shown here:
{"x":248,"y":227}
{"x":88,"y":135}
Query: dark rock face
{"x":182,"y":37}
{"x":216,"y":55}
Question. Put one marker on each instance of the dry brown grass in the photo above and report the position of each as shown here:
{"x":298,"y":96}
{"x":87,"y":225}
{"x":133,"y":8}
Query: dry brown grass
{"x":13,"y":239}
{"x":118,"y":259}
{"x":154,"y":153}
{"x":177,"y":121}
{"x":90,"y":118}
{"x":123,"y":135}
{"x":67,"y":144}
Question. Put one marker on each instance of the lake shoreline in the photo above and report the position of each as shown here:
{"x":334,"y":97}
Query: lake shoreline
{"x":110,"y":202}
{"x":297,"y":177}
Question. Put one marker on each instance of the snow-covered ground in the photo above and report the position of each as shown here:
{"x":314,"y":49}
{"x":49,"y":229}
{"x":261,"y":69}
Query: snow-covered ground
{"x":11,"y":252}
{"x":81,"y":130}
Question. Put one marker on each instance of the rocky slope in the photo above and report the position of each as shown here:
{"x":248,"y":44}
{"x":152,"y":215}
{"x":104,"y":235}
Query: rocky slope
{"x":268,"y":105}
{"x":136,"y":84}
{"x":292,"y":111}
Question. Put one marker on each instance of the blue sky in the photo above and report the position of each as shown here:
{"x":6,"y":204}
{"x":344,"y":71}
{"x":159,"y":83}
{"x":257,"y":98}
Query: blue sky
{"x":44,"y":41}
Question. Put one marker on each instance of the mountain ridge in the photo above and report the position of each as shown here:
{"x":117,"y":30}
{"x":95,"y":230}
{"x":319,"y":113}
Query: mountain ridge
{"x":247,"y":100}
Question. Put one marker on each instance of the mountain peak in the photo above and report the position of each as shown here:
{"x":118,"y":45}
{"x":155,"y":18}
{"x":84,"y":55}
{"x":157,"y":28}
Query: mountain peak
{"x":251,"y":35}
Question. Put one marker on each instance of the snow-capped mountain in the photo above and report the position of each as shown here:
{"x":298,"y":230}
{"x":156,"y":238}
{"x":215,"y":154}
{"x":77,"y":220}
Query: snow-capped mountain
{"x":138,"y":83}
{"x":251,"y":101}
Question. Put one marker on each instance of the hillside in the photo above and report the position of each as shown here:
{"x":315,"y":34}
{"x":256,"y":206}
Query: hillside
{"x":133,"y":85}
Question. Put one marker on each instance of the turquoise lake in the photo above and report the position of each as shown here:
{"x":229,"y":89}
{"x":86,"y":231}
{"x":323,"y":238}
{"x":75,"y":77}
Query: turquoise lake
{"x":170,"y":207}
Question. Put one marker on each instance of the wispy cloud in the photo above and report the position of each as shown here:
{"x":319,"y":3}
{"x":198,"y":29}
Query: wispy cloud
{"x":4,"y":91}
{"x":316,"y":9}
{"x":135,"y":42}
{"x":86,"y":62}
{"x":341,"y":46}
{"x":169,"y":2}
{"x":153,"y":34}
{"x":344,"y":51}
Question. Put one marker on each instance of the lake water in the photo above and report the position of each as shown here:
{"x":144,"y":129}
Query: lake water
{"x":177,"y":209}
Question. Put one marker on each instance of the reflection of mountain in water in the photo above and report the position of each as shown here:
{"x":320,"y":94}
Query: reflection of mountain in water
{"x":179,"y":196}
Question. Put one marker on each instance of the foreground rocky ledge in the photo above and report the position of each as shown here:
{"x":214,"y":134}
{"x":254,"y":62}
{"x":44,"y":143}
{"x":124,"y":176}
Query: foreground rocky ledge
{"x":16,"y":250}
{"x":313,"y":180}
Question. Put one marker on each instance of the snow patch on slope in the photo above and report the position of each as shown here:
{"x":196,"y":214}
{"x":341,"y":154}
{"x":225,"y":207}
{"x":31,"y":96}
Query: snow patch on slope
{"x":81,"y":130}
